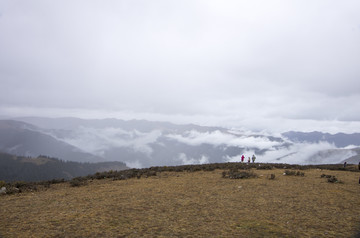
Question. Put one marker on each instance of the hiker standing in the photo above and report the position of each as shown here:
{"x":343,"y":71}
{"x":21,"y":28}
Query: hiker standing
{"x":253,"y":158}
{"x":345,"y":163}
{"x":359,"y":165}
{"x":243,"y":157}
{"x":249,"y":160}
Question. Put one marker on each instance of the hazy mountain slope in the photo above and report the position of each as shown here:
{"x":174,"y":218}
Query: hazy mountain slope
{"x":17,"y":168}
{"x":339,"y":139}
{"x":334,"y":156}
{"x":355,"y":159}
{"x":27,"y":140}
{"x":71,"y":123}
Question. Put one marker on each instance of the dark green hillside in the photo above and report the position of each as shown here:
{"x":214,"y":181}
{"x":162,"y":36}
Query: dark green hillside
{"x":23,"y":139}
{"x":15,"y":168}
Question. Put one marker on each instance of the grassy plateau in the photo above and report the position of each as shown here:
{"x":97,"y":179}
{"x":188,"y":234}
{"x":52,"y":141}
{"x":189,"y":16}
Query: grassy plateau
{"x":189,"y":203}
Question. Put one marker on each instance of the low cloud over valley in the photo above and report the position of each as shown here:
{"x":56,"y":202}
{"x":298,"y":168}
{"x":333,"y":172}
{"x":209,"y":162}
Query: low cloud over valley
{"x":144,"y":143}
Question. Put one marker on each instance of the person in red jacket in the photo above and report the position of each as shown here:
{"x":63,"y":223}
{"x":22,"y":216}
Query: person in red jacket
{"x":243,"y":157}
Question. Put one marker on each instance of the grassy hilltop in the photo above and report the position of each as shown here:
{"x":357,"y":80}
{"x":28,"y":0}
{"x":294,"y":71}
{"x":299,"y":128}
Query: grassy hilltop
{"x":189,"y":201}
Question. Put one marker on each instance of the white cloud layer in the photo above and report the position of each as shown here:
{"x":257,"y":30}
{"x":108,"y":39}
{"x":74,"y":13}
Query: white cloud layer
{"x":218,"y":138}
{"x":186,"y":160}
{"x":307,"y":153}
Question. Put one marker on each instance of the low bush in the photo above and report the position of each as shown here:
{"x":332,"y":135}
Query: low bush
{"x":235,"y":174}
{"x":21,"y":184}
{"x":150,"y":173}
{"x":266,"y":166}
{"x":2,"y":183}
{"x":12,"y":190}
{"x":333,"y":179}
{"x":294,"y":173}
{"x":325,"y":176}
{"x":78,"y":181}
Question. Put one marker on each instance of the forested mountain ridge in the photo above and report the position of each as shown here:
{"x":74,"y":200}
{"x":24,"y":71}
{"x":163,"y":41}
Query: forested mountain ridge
{"x":19,"y":168}
{"x":24,"y":139}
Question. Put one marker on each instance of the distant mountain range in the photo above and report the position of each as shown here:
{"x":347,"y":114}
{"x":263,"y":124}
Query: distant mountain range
{"x":140,"y":143}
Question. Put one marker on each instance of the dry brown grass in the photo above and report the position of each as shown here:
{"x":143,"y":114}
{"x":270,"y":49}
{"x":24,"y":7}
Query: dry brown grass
{"x":198,"y":204}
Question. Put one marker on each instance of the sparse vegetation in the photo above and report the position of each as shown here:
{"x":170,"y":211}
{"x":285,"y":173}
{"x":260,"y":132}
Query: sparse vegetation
{"x":236,"y":174}
{"x":292,"y":170}
{"x":78,"y":181}
{"x":326,"y":176}
{"x":294,"y":173}
{"x":331,"y":178}
{"x":264,"y":166}
{"x":176,"y":202}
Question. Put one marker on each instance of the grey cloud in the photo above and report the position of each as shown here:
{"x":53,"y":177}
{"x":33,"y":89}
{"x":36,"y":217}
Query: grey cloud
{"x":258,"y":59}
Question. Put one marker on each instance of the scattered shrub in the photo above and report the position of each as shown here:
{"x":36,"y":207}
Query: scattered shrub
{"x":325,"y":176}
{"x":298,"y":173}
{"x":294,"y":173}
{"x":46,"y":184}
{"x":2,"y":183}
{"x":231,"y":170}
{"x":266,"y":166}
{"x":150,"y":173}
{"x":235,"y":174}
{"x":78,"y":181}
{"x":271,"y":176}
{"x":333,"y":179}
{"x":209,"y":168}
{"x":20,"y":184}
{"x":12,"y":190}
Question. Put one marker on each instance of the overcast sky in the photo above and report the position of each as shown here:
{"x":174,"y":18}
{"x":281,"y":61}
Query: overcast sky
{"x":274,"y":65}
